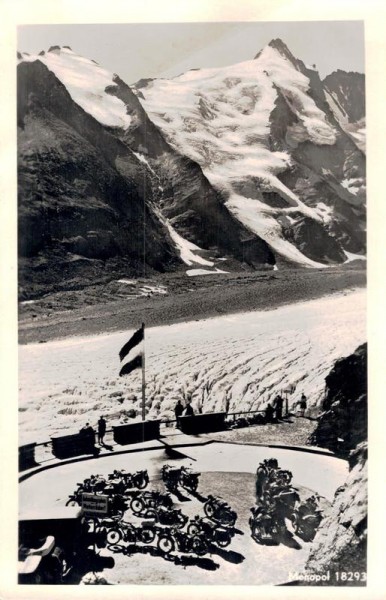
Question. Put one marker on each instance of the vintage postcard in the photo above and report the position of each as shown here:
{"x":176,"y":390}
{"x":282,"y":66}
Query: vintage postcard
{"x":192,"y":295}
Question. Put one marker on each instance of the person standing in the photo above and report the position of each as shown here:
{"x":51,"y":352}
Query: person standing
{"x":188,"y":412}
{"x":278,"y":406}
{"x":269,"y":413}
{"x":178,"y":410}
{"x":302,"y":405}
{"x":101,"y":429}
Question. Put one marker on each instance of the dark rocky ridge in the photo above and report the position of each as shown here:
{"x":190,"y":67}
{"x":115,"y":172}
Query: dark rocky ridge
{"x":349,"y":88}
{"x":343,"y":423}
{"x":316,"y":173}
{"x":82,"y":193}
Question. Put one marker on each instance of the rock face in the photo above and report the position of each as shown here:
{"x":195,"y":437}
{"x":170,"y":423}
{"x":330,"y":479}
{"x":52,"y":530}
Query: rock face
{"x":343,"y":424}
{"x":345,"y":94}
{"x":341,"y":541}
{"x":246,"y":164}
{"x":82,"y":197}
{"x":348,"y":92}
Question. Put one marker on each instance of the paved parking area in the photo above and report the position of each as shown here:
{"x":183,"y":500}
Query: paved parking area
{"x":227,"y":470}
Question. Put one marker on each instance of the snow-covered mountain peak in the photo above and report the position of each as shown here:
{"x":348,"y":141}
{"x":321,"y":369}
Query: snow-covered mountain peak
{"x":86,"y":83}
{"x":221,"y":118}
{"x":282,"y":49}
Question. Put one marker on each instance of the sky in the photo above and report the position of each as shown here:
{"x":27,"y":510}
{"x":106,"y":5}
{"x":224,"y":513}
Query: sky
{"x":142,"y":50}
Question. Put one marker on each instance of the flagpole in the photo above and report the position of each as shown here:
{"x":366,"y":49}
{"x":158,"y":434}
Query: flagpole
{"x":143,"y":374}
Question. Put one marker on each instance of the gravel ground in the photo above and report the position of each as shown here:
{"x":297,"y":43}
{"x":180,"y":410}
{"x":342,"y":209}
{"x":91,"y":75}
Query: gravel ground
{"x":93,"y":311}
{"x":294,"y":432}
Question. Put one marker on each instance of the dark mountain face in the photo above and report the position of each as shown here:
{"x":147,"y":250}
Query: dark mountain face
{"x":83,"y":197}
{"x":254,"y":169}
{"x":348,"y":91}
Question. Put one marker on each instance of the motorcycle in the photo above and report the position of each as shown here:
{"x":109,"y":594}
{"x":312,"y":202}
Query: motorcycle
{"x":222,"y":536}
{"x":152,"y":499}
{"x":175,"y":539}
{"x":266,"y":527}
{"x":167,"y":516}
{"x":139,"y":479}
{"x":284,"y":500}
{"x":117,"y":505}
{"x":131,"y":534}
{"x":306,"y":520}
{"x":189,"y":479}
{"x":171,"y":477}
{"x":218,"y":510}
{"x":96,"y":483}
{"x":91,"y":485}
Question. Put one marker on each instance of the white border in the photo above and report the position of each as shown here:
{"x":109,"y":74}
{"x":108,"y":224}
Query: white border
{"x":14,"y":12}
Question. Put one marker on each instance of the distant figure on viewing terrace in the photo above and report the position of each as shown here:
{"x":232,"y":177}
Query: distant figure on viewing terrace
{"x":101,"y":429}
{"x":188,"y":412}
{"x":87,"y":430}
{"x":178,"y":410}
{"x":302,"y":405}
{"x":278,"y":406}
{"x":269,"y":413}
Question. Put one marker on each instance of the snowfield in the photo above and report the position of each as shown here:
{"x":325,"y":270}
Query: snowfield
{"x":86,"y":82}
{"x":235,"y":362}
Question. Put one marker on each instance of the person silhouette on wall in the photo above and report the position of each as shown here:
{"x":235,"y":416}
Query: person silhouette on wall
{"x":101,"y":430}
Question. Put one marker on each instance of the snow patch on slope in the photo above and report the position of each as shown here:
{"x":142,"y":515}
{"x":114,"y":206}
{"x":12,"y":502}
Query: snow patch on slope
{"x":195,"y":272}
{"x":86,"y":83}
{"x":254,"y":215}
{"x":186,"y":249}
{"x":351,"y":256}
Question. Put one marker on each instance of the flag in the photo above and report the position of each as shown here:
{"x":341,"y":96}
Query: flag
{"x":135,"y":339}
{"x":133,"y":350}
{"x":131,"y":365}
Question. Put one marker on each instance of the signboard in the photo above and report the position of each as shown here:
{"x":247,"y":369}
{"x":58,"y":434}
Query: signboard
{"x":95,"y":504}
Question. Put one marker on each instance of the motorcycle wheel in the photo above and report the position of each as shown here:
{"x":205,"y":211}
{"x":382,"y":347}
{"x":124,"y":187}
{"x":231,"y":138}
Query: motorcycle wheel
{"x":72,"y":503}
{"x":142,"y":483}
{"x":193,"y":529}
{"x":137,"y":505}
{"x":114,"y":536}
{"x":209,"y":509}
{"x":199,"y":547}
{"x":147,"y":535}
{"x":166,"y":544}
